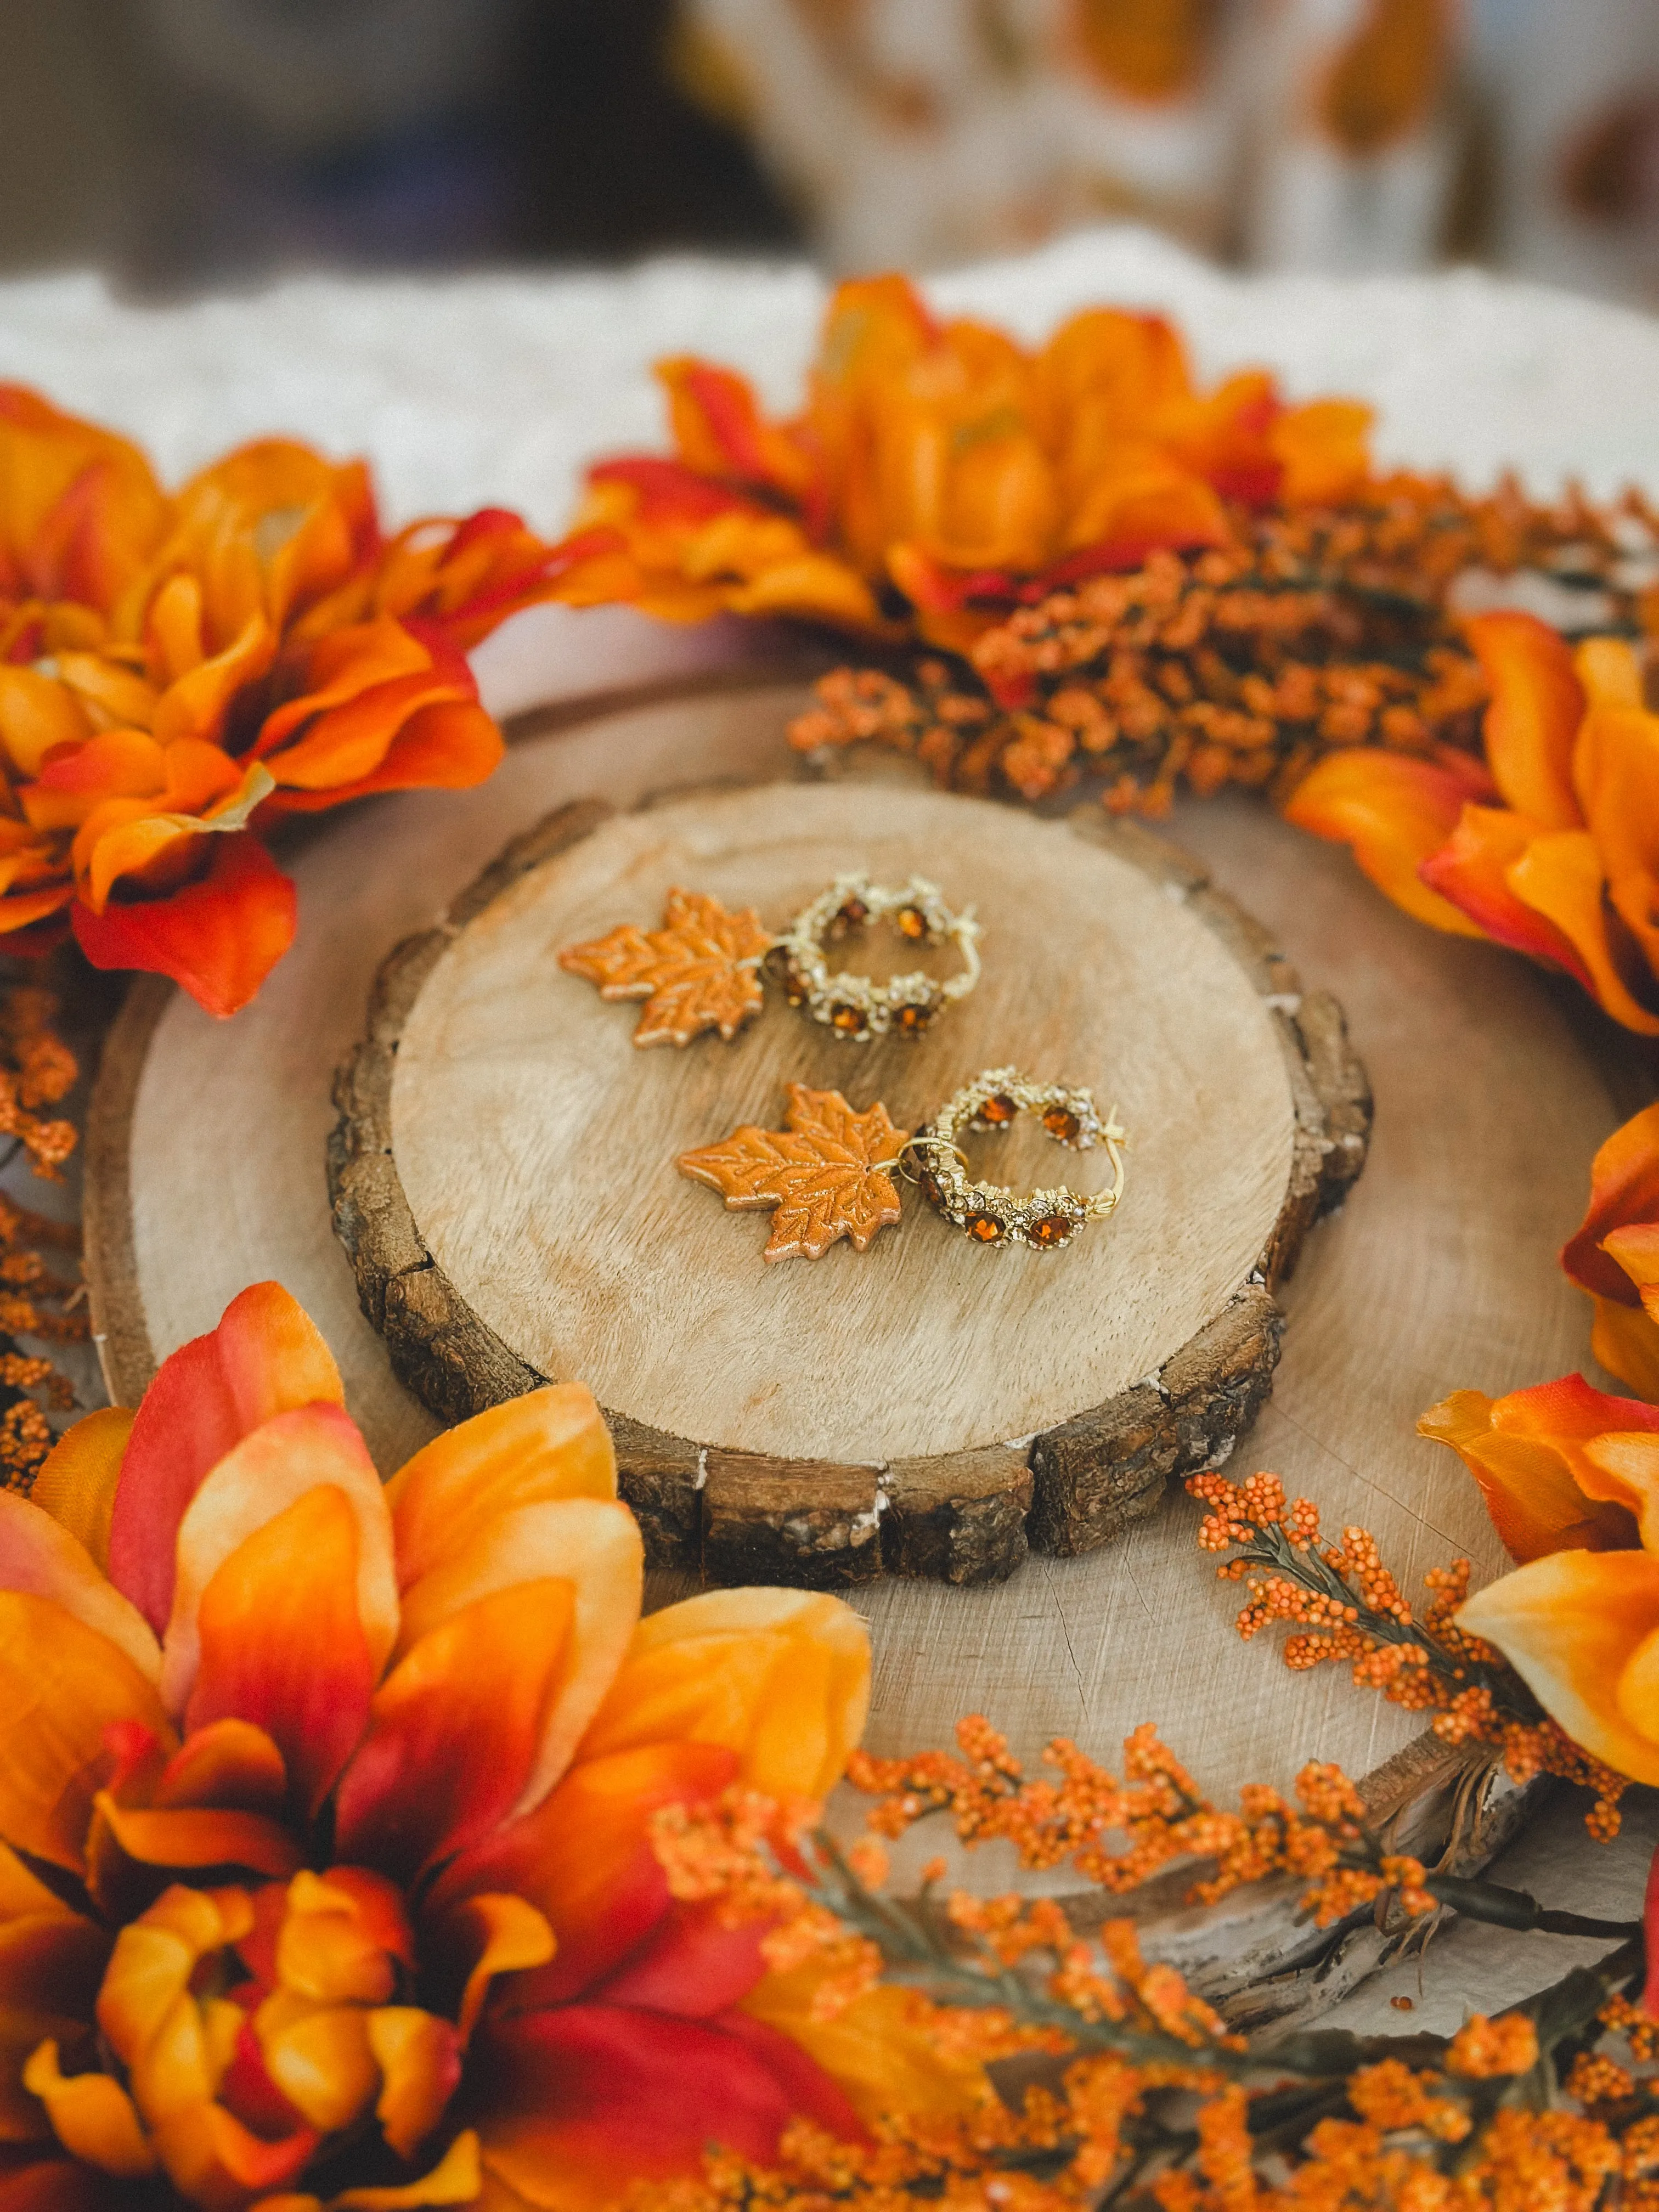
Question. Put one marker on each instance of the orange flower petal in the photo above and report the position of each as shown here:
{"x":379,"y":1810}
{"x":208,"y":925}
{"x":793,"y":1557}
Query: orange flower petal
{"x":1324,"y":450}
{"x":212,"y":2159}
{"x":37,"y":1554}
{"x":147,"y":849}
{"x":448,"y":747}
{"x":1143,"y":503}
{"x":342,"y":748}
{"x":454,"y":1730}
{"x":1525,"y":1451}
{"x":83,"y":508}
{"x":1571,"y":1625}
{"x":593,"y":1543}
{"x":1472,"y":871}
{"x":24,"y":1896}
{"x":264,"y":1357}
{"x":1615,"y":768}
{"x":1563,"y":877}
{"x":341,"y":1933}
{"x":267,"y":529}
{"x":219,"y":937}
{"x":810,"y":588}
{"x":24,"y":910}
{"x":36,"y":713}
{"x":1635,"y":1248}
{"x":175,"y":2047}
{"x":61,"y":1684}
{"x":173,"y":628}
{"x":480,"y":1717}
{"x":1623,"y":1466}
{"x":719,"y":431}
{"x":320,"y":2060}
{"x":582,"y":2099}
{"x":197,"y":704}
{"x":264,"y":1477}
{"x":51,"y":1965}
{"x":1393,"y":813}
{"x":420,"y":2063}
{"x":188,"y":1838}
{"x":874,"y":2049}
{"x":463,"y":579}
{"x":1625,"y":1341}
{"x":584,"y":1859}
{"x":548,"y":1443}
{"x":230,"y":1763}
{"x":1533,"y":722}
{"x":780,"y":1677}
{"x":1608,"y":671}
{"x":488,"y":1934}
{"x":342,"y":667}
{"x":1623,"y":1189}
{"x":694,"y":1962}
{"x":284,"y":1634}
{"x":91,"y":2115}
{"x":76,"y":1482}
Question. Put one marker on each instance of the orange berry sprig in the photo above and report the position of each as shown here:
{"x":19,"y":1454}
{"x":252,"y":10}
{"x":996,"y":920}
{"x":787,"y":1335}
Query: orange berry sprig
{"x":1312,"y":628}
{"x":1344,"y":1604}
{"x":36,"y":1068}
{"x":1422,"y":2123}
{"x":1158,"y":1811}
{"x":1226,"y":667}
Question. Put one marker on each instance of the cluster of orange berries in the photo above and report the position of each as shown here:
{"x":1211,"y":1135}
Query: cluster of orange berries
{"x":1356,"y":1612}
{"x":1311,"y":629}
{"x":1234,"y":665}
{"x":36,"y":1068}
{"x":1118,"y":1834}
{"x":725,"y":1854}
{"x":1388,"y":2145}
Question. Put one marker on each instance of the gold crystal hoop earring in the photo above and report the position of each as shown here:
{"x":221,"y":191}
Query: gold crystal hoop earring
{"x":990,"y":1212}
{"x":854,"y":1006}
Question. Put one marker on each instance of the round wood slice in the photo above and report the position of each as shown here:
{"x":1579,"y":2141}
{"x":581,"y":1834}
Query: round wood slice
{"x":504,"y":1177}
{"x":1494,"y":1085}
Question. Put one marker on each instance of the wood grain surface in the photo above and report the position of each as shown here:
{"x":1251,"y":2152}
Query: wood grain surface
{"x":1440,"y":1271}
{"x":538,"y":1148}
{"x":504,"y":1177}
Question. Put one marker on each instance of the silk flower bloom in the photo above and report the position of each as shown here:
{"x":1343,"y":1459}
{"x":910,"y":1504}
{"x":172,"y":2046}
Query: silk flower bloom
{"x":326,"y":1874}
{"x":1615,"y":1253}
{"x":178,"y":671}
{"x":1571,"y":1478}
{"x":1565,"y":867}
{"x":941,"y":473}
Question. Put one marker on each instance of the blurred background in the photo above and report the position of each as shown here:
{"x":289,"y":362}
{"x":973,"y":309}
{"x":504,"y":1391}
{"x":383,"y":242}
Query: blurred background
{"x":180,"y":144}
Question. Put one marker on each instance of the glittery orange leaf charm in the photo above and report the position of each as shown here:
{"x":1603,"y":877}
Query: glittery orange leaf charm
{"x":696,"y":973}
{"x":823,"y":1173}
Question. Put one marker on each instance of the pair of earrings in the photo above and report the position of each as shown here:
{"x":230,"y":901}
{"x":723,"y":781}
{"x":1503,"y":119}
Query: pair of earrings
{"x":703,"y":969}
{"x":828,"y":1173}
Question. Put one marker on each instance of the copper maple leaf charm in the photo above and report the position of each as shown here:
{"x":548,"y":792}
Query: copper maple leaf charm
{"x":696,"y":973}
{"x":824,"y":1173}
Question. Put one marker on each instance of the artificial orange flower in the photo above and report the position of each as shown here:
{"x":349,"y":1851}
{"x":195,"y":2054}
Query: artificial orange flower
{"x":1561,"y":1467}
{"x":1582,"y":1629}
{"x":327,"y":1870}
{"x":1571,"y":1478}
{"x":1615,"y":1253}
{"x":177,"y":673}
{"x":1567,"y":868}
{"x":941,"y":472}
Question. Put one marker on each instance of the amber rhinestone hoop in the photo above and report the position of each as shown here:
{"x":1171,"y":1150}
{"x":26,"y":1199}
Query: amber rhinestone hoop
{"x":854,"y":1006}
{"x":990,"y":1212}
